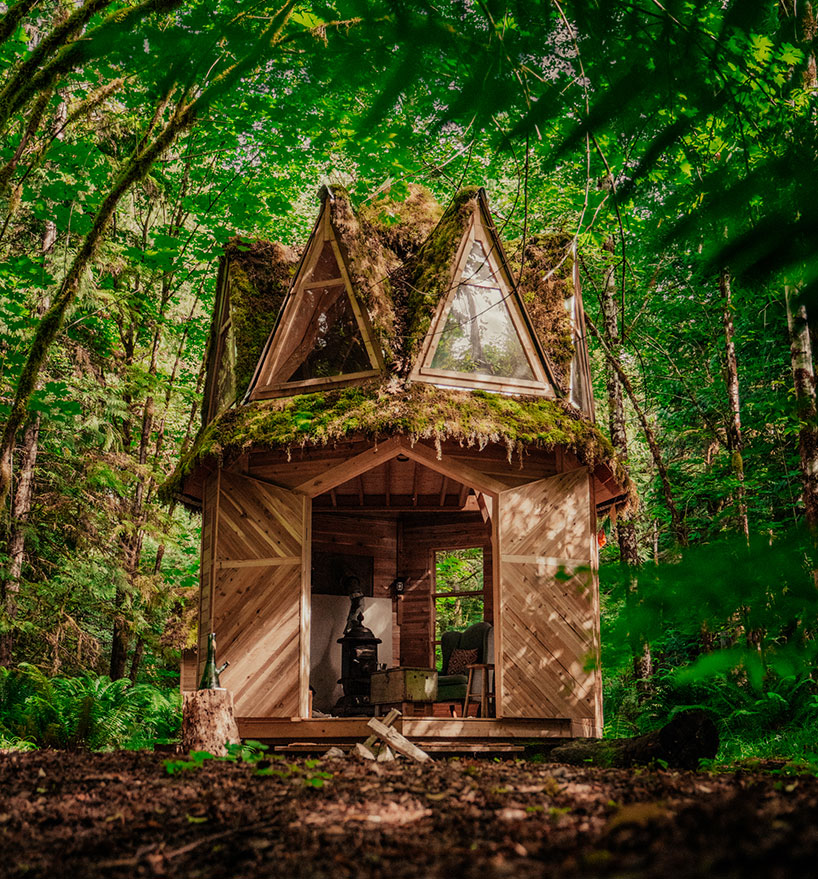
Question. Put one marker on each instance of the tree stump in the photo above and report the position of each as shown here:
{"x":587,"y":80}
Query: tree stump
{"x":208,"y":722}
{"x":688,"y":738}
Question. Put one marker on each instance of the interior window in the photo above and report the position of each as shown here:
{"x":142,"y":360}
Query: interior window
{"x":479,"y":336}
{"x":458,"y":592}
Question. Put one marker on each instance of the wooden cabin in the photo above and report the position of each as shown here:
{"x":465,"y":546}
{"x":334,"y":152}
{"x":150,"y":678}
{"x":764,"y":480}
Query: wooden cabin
{"x":396,"y":392}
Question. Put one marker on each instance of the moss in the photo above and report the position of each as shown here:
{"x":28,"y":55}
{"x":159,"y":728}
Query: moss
{"x":369,"y":268}
{"x":259,"y":275}
{"x":546,"y":282}
{"x":418,"y":411}
{"x":425,"y":278}
{"x":402,"y":225}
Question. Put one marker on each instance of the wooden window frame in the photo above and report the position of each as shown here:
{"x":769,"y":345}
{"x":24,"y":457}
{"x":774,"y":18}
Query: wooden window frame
{"x":434,"y":594}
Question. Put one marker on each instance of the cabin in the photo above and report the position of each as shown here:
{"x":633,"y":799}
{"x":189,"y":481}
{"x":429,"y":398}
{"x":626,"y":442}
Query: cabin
{"x":399,"y":415}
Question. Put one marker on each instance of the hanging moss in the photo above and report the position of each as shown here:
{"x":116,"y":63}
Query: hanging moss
{"x":418,"y":411}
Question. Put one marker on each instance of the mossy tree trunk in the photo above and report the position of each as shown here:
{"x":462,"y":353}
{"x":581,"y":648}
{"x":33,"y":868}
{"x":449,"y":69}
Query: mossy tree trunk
{"x":735,"y":445}
{"x":626,"y":523}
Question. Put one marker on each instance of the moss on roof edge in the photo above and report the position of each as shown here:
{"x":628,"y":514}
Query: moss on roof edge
{"x":418,"y":411}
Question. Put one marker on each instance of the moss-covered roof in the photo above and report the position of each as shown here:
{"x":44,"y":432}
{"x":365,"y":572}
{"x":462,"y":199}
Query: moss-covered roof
{"x":399,"y":254}
{"x":392,"y":407}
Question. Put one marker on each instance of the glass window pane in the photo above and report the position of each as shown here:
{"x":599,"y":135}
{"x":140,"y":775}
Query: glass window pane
{"x":477,"y":266}
{"x":326,"y":266}
{"x":454,"y":613}
{"x":325,"y":339}
{"x":459,"y":570}
{"x":479,"y":336}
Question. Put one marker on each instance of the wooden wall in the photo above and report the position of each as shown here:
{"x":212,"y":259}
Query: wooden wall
{"x":374,"y":535}
{"x":258,"y":535}
{"x":420,"y":536}
{"x":549,"y":624}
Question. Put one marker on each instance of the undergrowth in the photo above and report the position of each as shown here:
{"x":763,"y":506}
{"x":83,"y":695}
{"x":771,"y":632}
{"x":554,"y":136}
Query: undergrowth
{"x":254,"y":754}
{"x":88,"y":711}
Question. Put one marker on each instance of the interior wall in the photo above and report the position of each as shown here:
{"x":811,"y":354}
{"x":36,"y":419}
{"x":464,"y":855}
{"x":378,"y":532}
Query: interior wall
{"x":375,"y":535}
{"x":421,"y":535}
{"x":327,"y":619}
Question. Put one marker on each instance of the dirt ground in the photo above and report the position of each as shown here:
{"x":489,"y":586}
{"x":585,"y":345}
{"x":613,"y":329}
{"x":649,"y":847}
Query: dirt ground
{"x":121,"y":814}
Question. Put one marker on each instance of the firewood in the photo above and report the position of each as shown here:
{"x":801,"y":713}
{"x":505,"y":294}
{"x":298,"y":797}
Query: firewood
{"x":397,"y":742}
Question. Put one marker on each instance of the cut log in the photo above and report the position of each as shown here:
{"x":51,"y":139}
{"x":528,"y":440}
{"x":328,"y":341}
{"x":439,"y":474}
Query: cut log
{"x":208,"y":723}
{"x":690,"y":737}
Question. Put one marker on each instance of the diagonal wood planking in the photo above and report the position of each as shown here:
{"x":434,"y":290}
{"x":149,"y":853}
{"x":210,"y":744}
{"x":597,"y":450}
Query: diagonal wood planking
{"x":548,"y":624}
{"x":257,"y":595}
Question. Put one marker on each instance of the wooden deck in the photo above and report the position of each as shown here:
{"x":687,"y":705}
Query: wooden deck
{"x":278,"y":731}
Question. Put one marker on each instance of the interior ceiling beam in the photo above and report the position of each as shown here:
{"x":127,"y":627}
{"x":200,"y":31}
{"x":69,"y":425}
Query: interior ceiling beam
{"x":464,"y":493}
{"x":443,"y":490}
{"x":360,"y":483}
{"x":391,"y":448}
{"x":415,"y":470}
{"x":388,"y":472}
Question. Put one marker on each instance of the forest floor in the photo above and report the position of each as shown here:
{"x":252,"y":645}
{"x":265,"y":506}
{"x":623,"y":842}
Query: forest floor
{"x":122,"y":814}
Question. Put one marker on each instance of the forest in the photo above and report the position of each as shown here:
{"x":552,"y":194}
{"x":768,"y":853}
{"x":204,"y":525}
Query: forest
{"x":673,"y":143}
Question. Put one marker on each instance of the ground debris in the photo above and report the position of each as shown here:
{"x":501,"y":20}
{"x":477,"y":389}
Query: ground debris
{"x":122,"y":815}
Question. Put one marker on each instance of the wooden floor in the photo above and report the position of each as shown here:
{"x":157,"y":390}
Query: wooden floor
{"x":279,"y":731}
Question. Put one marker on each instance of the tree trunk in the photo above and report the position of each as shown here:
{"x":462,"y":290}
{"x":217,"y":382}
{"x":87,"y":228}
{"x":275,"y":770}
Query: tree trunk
{"x":734,"y":438}
{"x":135,"y":169}
{"x":625,"y":524}
{"x":677,"y":522}
{"x":21,"y":507}
{"x":690,"y":737}
{"x":804,"y":379}
{"x":208,"y":722}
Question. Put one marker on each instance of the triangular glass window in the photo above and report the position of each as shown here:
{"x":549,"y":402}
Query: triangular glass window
{"x":327,"y":340}
{"x":480,"y":337}
{"x":322,"y":336}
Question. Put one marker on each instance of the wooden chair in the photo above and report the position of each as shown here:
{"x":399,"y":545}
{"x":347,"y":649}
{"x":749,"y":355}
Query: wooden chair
{"x":485,"y":695}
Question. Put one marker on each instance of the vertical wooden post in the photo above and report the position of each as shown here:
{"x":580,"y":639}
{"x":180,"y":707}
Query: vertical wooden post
{"x":306,"y":607}
{"x":497,"y":601}
{"x":594,"y":556}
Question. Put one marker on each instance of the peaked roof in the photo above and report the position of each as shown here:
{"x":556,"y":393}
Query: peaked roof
{"x":491,"y":298}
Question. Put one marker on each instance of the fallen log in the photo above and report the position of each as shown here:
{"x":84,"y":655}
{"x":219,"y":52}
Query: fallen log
{"x":690,"y":737}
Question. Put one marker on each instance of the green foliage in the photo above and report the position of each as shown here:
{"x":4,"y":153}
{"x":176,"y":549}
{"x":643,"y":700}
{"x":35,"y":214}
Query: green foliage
{"x":84,"y":712}
{"x":730,"y":629}
{"x":254,"y":754}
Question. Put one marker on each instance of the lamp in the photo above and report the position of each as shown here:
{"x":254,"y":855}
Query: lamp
{"x":397,"y":587}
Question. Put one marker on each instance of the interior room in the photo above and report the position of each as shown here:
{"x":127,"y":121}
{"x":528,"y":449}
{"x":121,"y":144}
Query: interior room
{"x":417,"y":544}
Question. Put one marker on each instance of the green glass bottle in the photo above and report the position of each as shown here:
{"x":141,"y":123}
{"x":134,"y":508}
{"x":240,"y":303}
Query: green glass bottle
{"x":210,"y":675}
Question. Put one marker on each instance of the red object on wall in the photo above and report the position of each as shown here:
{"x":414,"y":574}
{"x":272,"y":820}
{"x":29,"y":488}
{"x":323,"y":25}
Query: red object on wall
{"x":601,"y":539}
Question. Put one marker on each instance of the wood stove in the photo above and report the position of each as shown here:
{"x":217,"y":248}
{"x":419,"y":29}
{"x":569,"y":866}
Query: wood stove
{"x":359,"y":658}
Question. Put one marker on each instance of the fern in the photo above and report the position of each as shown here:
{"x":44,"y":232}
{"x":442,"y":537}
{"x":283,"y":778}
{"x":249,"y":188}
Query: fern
{"x":84,"y":712}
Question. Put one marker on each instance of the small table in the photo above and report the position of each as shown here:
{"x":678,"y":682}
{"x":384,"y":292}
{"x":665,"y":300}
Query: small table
{"x":411,"y":690}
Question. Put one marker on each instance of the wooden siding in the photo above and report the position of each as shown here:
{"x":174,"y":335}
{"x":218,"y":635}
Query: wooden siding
{"x":210,"y":513}
{"x":548,"y":625}
{"x":257,"y":606}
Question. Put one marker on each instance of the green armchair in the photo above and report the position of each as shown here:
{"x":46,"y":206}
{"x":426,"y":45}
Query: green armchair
{"x":480,"y":637}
